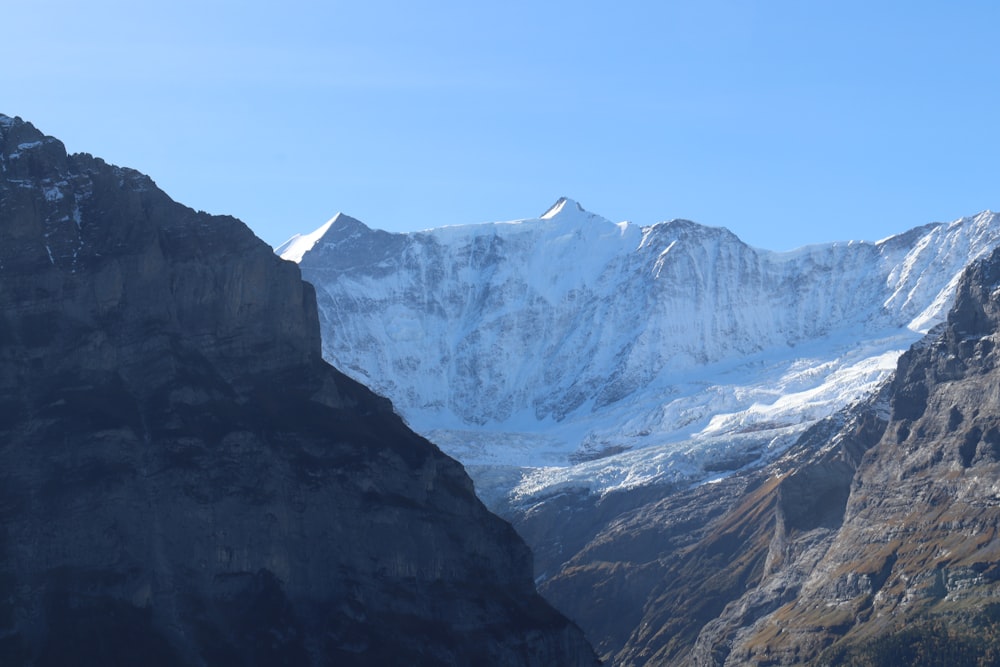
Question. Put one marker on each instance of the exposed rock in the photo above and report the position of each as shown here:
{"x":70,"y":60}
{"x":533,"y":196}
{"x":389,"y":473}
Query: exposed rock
{"x":603,"y":356}
{"x":658,"y":573}
{"x":881,"y":518}
{"x":918,"y":534}
{"x":183,"y":481}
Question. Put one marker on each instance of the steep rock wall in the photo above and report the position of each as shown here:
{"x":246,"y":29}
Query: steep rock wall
{"x":184,"y":481}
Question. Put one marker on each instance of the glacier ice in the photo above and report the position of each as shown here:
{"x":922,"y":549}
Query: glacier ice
{"x":568,"y":350}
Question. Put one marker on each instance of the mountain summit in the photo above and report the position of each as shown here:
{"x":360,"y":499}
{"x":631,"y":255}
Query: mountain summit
{"x":339,"y":226}
{"x":563,"y":204}
{"x":184,"y":481}
{"x":670,"y":352}
{"x":719,"y":454}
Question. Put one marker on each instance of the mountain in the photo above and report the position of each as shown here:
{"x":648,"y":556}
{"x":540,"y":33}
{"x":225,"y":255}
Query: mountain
{"x":570,"y":352}
{"x":871,"y":541}
{"x":688,"y":431}
{"x":184,"y":480}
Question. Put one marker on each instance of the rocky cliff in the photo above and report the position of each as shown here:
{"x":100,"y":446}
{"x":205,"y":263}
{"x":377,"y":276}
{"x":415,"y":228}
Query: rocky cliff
{"x":658,"y":411}
{"x":530,"y":349}
{"x":872,"y":541}
{"x":183,"y":480}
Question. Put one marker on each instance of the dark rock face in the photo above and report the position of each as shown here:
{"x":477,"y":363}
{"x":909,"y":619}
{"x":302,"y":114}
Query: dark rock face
{"x":882,"y":518}
{"x":918,"y":537}
{"x":183,"y":481}
{"x":663,"y":567}
{"x":659,"y":572}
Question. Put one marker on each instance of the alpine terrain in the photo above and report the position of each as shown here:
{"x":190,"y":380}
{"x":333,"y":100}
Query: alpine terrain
{"x":184,"y":480}
{"x":708,"y":445}
{"x":572,"y":352}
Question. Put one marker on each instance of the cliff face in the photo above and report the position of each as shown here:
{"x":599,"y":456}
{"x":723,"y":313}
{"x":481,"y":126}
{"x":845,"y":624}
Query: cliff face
{"x":919,"y":533}
{"x":882,"y":518}
{"x":607,"y":356}
{"x":184,"y":481}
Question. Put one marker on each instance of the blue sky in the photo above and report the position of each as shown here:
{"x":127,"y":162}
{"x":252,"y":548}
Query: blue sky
{"x":789,"y":122}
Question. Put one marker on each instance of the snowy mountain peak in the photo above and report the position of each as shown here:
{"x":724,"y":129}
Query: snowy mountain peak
{"x":294,"y":248}
{"x":545,"y":342}
{"x":680,"y":229}
{"x":567,"y":217}
{"x":562,"y":205}
{"x":341,"y":225}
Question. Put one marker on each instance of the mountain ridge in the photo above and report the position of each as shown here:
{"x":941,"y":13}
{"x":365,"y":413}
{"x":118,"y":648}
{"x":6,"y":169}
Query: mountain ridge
{"x":692,"y":450}
{"x":536,"y":343}
{"x":871,"y":540}
{"x":184,"y":481}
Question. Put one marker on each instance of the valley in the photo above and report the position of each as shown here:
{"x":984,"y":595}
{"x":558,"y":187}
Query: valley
{"x":677,"y":423}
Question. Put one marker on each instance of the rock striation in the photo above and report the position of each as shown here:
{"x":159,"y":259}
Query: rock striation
{"x":184,"y":481}
{"x":662,"y":413}
{"x":568,"y":351}
{"x":918,"y":535}
{"x":881,"y":522}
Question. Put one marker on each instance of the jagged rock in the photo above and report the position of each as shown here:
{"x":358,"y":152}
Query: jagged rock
{"x":880,"y":518}
{"x":568,"y":361}
{"x":183,"y":481}
{"x":670,"y":352}
{"x":918,"y":536}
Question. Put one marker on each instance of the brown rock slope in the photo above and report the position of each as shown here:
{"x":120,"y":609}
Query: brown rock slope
{"x":873,"y":541}
{"x":183,"y":481}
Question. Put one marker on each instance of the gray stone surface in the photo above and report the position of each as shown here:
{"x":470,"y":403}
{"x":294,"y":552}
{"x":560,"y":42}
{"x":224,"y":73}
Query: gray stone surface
{"x":880,"y":518}
{"x":183,"y":480}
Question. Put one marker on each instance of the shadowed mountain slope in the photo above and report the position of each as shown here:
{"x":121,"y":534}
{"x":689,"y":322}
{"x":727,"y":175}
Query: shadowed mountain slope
{"x":876,"y":532}
{"x":184,"y":481}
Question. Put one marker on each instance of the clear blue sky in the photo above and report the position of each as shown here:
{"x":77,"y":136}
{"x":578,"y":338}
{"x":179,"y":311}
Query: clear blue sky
{"x":789,"y":122}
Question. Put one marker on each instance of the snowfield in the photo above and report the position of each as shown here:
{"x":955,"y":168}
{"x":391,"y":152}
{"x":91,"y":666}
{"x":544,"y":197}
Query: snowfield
{"x":568,"y":351}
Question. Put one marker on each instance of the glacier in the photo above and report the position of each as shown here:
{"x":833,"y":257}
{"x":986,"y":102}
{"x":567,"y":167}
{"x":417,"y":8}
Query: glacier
{"x":570,"y":351}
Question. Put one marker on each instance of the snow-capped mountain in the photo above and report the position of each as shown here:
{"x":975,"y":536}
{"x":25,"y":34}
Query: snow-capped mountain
{"x":568,"y":350}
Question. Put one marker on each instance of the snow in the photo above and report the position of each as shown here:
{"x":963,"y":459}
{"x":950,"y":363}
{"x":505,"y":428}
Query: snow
{"x":567,"y":351}
{"x":563,"y":204}
{"x":53,"y":193}
{"x":294,"y":248}
{"x":24,"y":146}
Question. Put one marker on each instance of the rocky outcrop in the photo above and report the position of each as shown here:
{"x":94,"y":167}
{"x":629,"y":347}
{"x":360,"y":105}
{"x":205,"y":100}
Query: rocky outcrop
{"x":672,"y":568}
{"x":670,"y":352}
{"x":918,"y":537}
{"x":183,"y":481}
{"x":882,"y":519}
